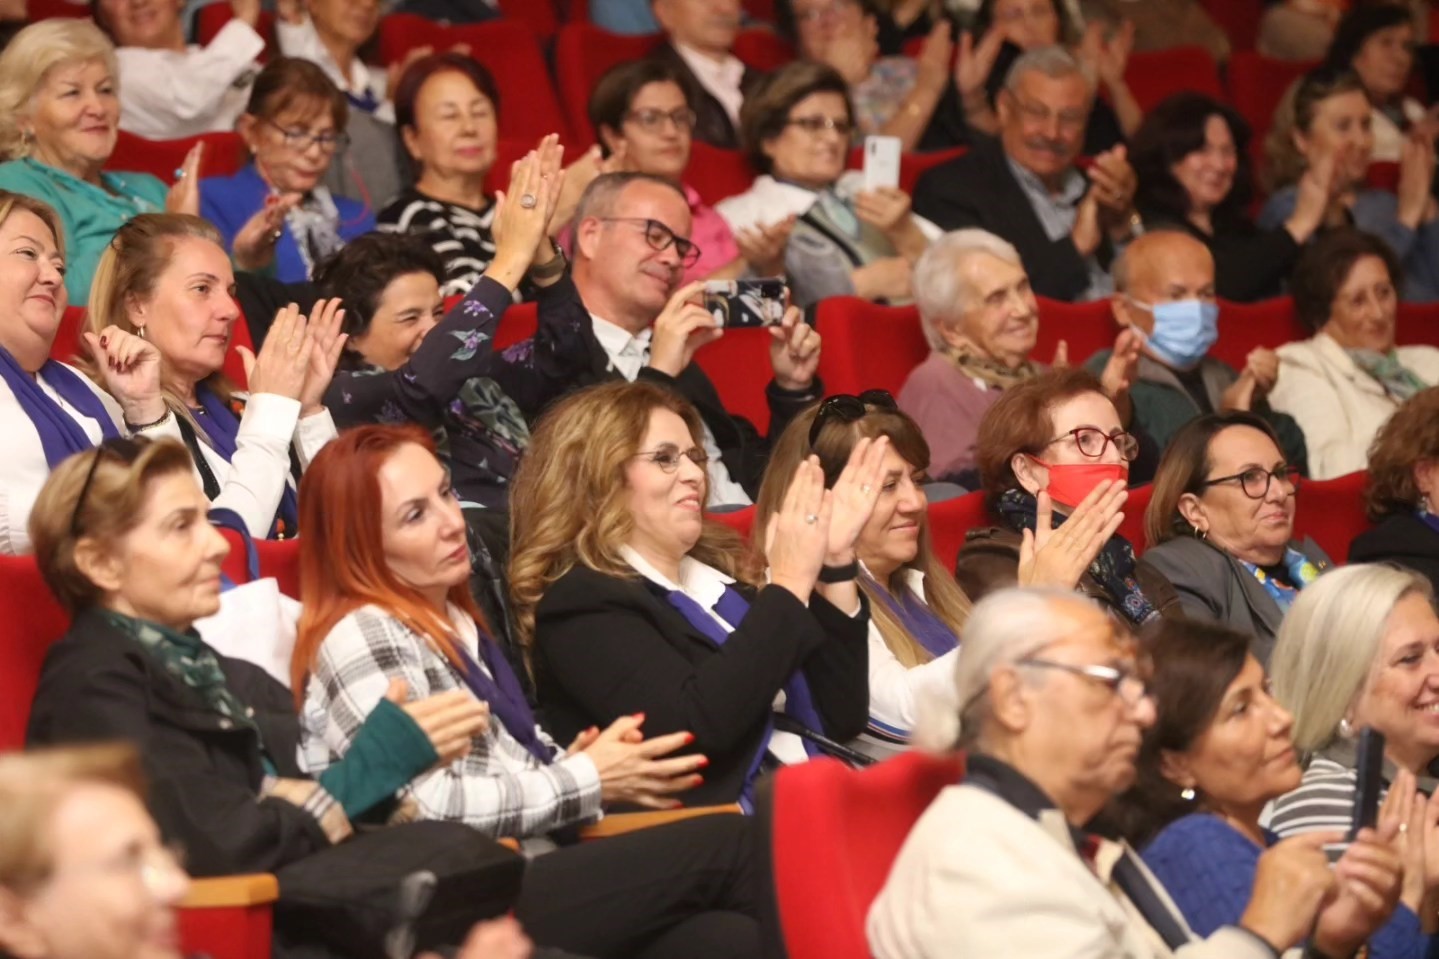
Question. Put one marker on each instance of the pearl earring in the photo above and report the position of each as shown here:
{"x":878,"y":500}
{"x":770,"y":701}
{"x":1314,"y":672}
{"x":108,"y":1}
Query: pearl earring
{"x":1346,"y":728}
{"x":1187,"y":794}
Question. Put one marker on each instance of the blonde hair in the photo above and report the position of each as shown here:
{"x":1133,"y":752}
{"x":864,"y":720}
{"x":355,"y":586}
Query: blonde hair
{"x":1283,"y":163}
{"x":30,"y":55}
{"x":1329,"y":642}
{"x":32,"y":786}
{"x":569,"y":501}
{"x":128,"y":271}
{"x":112,"y":507}
{"x":833,"y":444}
{"x":10,"y":202}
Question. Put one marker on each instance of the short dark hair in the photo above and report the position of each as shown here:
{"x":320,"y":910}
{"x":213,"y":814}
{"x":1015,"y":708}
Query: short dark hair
{"x":1172,"y":131}
{"x":984,"y":20}
{"x":1358,"y":25}
{"x":365,"y":267}
{"x":1324,"y":266}
{"x":613,"y":96}
{"x":407,"y":90}
{"x":287,"y":81}
{"x":766,"y":111}
{"x":1185,"y":465}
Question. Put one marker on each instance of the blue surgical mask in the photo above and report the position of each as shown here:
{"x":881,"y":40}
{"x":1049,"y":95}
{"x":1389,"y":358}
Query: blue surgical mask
{"x":1184,"y":330}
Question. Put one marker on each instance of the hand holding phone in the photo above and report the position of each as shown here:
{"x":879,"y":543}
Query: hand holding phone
{"x":746,"y":302}
{"x":881,"y":162}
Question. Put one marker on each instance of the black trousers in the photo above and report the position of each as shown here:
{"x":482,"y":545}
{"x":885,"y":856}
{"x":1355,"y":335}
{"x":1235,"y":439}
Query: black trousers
{"x":682,"y":891}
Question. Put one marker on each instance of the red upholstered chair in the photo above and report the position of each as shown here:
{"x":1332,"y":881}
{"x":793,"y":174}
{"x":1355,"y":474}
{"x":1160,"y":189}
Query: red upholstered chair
{"x":1418,"y":323}
{"x":1383,"y":176}
{"x":911,"y":165}
{"x":519,"y":323}
{"x":867,"y":347}
{"x":67,"y":345}
{"x":716,"y":173}
{"x":1332,"y":512}
{"x":760,"y":9}
{"x":1238,"y":18}
{"x":738,"y":365}
{"x":1256,"y":85}
{"x":36,"y":10}
{"x":1086,"y":328}
{"x":762,"y":49}
{"x":1132,"y":528}
{"x":739,"y":520}
{"x":224,"y":154}
{"x":1155,"y":75}
{"x":583,"y":52}
{"x":539,"y":15}
{"x":529,"y":108}
{"x":950,"y":520}
{"x":278,"y":558}
{"x":1244,"y":326}
{"x":831,"y":834}
{"x":213,"y":17}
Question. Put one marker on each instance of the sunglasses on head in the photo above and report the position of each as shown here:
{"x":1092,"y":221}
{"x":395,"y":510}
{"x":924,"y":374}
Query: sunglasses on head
{"x":848,"y":408}
{"x":121,"y":449}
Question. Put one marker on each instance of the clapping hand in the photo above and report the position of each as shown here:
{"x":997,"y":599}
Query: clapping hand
{"x":184,"y":195}
{"x":976,"y":62}
{"x":254,"y":245}
{"x":853,"y":497}
{"x":450,"y":720}
{"x":935,"y":57}
{"x":1292,"y":882}
{"x":682,"y":327}
{"x":131,"y":367}
{"x":283,"y":362}
{"x":630,"y":767}
{"x":763,"y":247}
{"x":797,"y":538}
{"x":885,"y":208}
{"x":327,"y":320}
{"x":524,"y":211}
{"x":1058,"y":557}
{"x":1122,"y":369}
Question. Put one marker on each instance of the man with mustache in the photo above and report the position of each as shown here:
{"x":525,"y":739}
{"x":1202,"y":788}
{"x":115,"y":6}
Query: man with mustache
{"x":699,"y":38}
{"x":1026,"y":188}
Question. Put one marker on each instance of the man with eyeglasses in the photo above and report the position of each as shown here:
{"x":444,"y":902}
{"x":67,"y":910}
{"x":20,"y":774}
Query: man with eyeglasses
{"x":1164,"y":295}
{"x":1026,"y":188}
{"x":1052,"y":708}
{"x":699,"y":41}
{"x":631,"y":246}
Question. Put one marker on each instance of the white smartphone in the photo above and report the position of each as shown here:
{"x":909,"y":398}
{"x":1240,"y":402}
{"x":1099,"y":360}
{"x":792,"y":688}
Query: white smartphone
{"x":881,"y":162}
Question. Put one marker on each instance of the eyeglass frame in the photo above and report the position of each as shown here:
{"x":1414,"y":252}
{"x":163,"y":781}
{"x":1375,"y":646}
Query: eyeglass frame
{"x":1108,"y":438}
{"x":815,"y":125}
{"x":850,"y":408}
{"x":695,"y":454}
{"x":690,"y":117}
{"x":126,"y":449}
{"x":302,"y":140}
{"x":682,"y":245}
{"x":1288,"y":471}
{"x":1112,"y":678}
{"x":1036,"y":113}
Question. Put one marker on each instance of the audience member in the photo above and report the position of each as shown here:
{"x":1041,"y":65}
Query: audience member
{"x":1342,"y":383}
{"x":846,"y":241}
{"x":170,"y":89}
{"x":59,"y":113}
{"x":899,"y":22}
{"x":1075,"y":494}
{"x":1219,"y":749}
{"x":1403,"y":492}
{"x":276,"y":208}
{"x":1323,"y":126}
{"x":1191,"y":158}
{"x":1164,"y":295}
{"x":165,"y":281}
{"x":1220,"y":526}
{"x":1376,"y":42}
{"x":630,"y":602}
{"x":699,"y":46}
{"x":407,"y":622}
{"x":1025,"y":187}
{"x":643,"y":120}
{"x":1051,"y":707}
{"x":916,"y":610}
{"x":631,"y":242}
{"x":1165,"y":24}
{"x":1298,"y":30}
{"x":402,"y":361}
{"x":330,"y":34}
{"x":83,"y":871}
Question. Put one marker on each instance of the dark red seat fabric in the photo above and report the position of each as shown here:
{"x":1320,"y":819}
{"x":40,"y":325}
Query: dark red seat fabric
{"x":30,"y":620}
{"x":832,"y":833}
{"x":279,"y":559}
{"x":739,"y":520}
{"x":66,"y":345}
{"x":1239,"y":19}
{"x":1256,"y":85}
{"x":1244,"y":326}
{"x":539,"y":15}
{"x":866,"y":346}
{"x":213,"y":17}
{"x":519,"y":323}
{"x":950,"y":520}
{"x":1132,"y":528}
{"x":738,"y":365}
{"x":1155,"y":75}
{"x":762,"y":49}
{"x":1418,"y":323}
{"x":716,"y":173}
{"x":1085,"y":328}
{"x":224,"y":155}
{"x":1332,"y":512}
{"x":583,"y":53}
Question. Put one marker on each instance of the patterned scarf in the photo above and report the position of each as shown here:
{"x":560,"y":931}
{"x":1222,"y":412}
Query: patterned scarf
{"x":1396,"y":379}
{"x":990,"y":372}
{"x":1113,"y":567}
{"x":315,"y":224}
{"x":916,"y":618}
{"x":1301,"y":571}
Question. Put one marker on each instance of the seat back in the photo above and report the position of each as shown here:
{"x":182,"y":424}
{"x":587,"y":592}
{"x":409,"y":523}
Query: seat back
{"x":1157,"y":74}
{"x":716,"y":173}
{"x":832,"y":834}
{"x":519,"y":323}
{"x":738,"y":365}
{"x":1332,"y":512}
{"x":1132,"y":528}
{"x":1244,"y":326}
{"x":224,"y":154}
{"x":67,"y":344}
{"x":1417,"y":324}
{"x":739,"y":520}
{"x":30,"y":620}
{"x":583,"y":53}
{"x":1256,"y":85}
{"x":762,"y":49}
{"x":951,"y":520}
{"x":866,"y":346}
{"x":539,"y":15}
{"x":1239,"y":19}
{"x":279,"y":559}
{"x":1085,"y":328}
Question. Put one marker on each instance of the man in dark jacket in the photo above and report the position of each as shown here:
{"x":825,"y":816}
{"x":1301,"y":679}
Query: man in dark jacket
{"x":699,"y":41}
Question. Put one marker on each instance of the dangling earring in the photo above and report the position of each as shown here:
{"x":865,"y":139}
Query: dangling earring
{"x":140,"y":332}
{"x":1199,"y":533}
{"x":1187,"y":794}
{"x":1346,"y":728}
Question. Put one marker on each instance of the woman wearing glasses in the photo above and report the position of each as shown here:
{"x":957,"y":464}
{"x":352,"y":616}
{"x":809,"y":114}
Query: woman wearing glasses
{"x":1220,"y":526}
{"x":629,"y":601}
{"x":276,"y":209}
{"x":845,"y":241}
{"x":1054,"y":463}
{"x":644,"y":121}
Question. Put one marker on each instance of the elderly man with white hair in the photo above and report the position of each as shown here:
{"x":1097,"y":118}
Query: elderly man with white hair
{"x":1052,"y":708}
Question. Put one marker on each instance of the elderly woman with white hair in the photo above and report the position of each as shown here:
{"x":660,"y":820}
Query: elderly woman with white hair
{"x":1052,"y":708}
{"x":59,"y":118}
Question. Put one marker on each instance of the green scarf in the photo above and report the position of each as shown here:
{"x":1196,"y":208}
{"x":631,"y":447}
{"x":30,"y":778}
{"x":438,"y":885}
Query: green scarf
{"x":1396,"y":379}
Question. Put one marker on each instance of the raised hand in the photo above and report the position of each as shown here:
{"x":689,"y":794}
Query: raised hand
{"x":631,"y":770}
{"x":184,"y":195}
{"x":1058,"y":556}
{"x":523,"y":212}
{"x":131,"y":367}
{"x":976,"y":62}
{"x":935,"y":57}
{"x":1085,"y":234}
{"x":793,"y":351}
{"x":1291,"y":884}
{"x":578,"y":176}
{"x":1370,"y":875}
{"x":1416,"y":176}
{"x":1113,"y":182}
{"x":682,"y":327}
{"x":854,"y":494}
{"x":887,"y":278}
{"x":284,"y":359}
{"x":763,"y":247}
{"x":246,"y":11}
{"x":450,"y":721}
{"x":797,"y":537}
{"x":327,"y":320}
{"x":852,"y":51}
{"x":1121,"y":370}
{"x":254,"y":245}
{"x":886,"y":208}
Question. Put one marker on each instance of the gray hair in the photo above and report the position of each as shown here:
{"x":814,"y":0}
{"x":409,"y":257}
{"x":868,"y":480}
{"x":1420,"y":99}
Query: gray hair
{"x":940,"y":290}
{"x":1054,"y":62}
{"x":1327,"y":646}
{"x":30,"y":56}
{"x":603,"y":193}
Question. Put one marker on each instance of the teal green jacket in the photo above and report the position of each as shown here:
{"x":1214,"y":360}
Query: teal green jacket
{"x":89,"y":214}
{"x":1162,"y":405}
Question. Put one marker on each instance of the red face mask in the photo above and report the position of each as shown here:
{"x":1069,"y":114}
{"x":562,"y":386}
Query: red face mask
{"x":1070,"y":483}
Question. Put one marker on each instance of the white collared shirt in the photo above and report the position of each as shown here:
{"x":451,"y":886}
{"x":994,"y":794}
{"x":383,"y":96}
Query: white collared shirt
{"x":720,"y":78}
{"x":300,"y":40}
{"x":171,"y":94}
{"x":629,"y":353}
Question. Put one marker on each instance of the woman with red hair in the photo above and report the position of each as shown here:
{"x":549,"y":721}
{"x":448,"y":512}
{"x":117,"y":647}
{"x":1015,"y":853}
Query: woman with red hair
{"x":384,"y":578}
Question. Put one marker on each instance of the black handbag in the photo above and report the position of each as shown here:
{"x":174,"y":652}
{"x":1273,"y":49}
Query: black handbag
{"x":390,"y":891}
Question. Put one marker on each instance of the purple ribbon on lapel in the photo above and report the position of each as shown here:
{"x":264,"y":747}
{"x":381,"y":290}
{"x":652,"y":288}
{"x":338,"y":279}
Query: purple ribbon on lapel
{"x":222,"y":429}
{"x":60,"y":435}
{"x":501,"y":690}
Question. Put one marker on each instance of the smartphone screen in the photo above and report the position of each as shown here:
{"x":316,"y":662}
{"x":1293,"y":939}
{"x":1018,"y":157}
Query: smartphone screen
{"x":746,"y":302}
{"x":881,"y":162}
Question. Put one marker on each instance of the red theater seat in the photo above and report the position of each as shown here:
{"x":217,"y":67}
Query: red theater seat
{"x":213,"y":17}
{"x":67,"y":344}
{"x":1332,"y":512}
{"x":738,"y":365}
{"x":224,"y":154}
{"x":1085,"y":328}
{"x":583,"y":53}
{"x":716,"y":173}
{"x":950,"y":520}
{"x":762,"y":49}
{"x":1256,"y":85}
{"x":539,"y":15}
{"x":1155,"y":75}
{"x":739,"y":520}
{"x":1239,"y":19}
{"x":1132,"y":528}
{"x":1418,"y":323}
{"x":867,"y":347}
{"x":1244,"y":326}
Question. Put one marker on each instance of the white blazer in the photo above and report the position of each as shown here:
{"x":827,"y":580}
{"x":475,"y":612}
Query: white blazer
{"x":977,"y":877}
{"x":1339,"y":407}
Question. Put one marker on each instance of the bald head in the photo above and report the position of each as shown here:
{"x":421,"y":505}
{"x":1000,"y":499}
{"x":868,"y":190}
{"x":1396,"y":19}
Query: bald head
{"x":1161,"y":266}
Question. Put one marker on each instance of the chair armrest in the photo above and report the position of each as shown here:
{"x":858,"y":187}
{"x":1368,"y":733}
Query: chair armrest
{"x":621,"y":823}
{"x":252,"y":889}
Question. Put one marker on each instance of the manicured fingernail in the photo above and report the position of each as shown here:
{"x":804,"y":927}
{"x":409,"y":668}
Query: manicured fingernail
{"x":689,"y":738}
{"x":640,"y":717}
{"x":104,"y":341}
{"x":704,"y":761}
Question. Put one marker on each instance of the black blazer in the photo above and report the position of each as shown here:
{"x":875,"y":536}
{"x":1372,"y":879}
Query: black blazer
{"x":1404,"y":539}
{"x":713,"y":124}
{"x":204,"y":773}
{"x":979,"y":190}
{"x":606,"y":647}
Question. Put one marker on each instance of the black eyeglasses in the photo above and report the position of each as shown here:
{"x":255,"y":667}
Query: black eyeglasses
{"x":816,"y":125}
{"x":1124,"y":681}
{"x":1255,"y":481}
{"x":122,"y":449}
{"x":668,"y":458}
{"x":652,"y":121}
{"x":660,"y":237}
{"x":1092,"y":442}
{"x":848,"y":408}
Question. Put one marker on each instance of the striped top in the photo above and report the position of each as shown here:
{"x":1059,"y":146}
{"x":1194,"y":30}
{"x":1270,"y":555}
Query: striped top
{"x":1324,"y":800}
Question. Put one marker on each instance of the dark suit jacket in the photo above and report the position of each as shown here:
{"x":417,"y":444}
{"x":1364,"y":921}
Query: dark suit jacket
{"x":1213,"y":585}
{"x":713,"y":125}
{"x":979,"y":190}
{"x":204,"y":773}
{"x":1404,"y":539}
{"x":606,"y":647}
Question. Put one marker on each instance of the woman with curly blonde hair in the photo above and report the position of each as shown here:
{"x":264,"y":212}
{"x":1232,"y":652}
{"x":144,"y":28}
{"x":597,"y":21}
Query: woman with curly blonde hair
{"x":630,"y":601}
{"x":1403,"y":492}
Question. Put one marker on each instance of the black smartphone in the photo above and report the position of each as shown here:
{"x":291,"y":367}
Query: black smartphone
{"x":746,"y":302}
{"x":1370,"y":769}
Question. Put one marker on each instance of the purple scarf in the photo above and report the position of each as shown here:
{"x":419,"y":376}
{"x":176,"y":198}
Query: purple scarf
{"x":60,"y":435}
{"x":222,"y":429}
{"x":501,"y":690}
{"x":917,"y":619}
